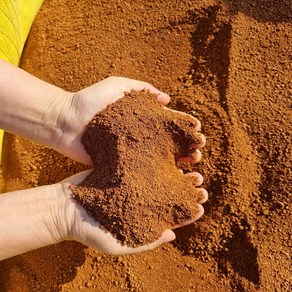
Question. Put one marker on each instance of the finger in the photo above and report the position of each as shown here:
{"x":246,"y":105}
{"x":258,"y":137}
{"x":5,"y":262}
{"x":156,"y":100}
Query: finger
{"x":198,"y":216}
{"x":77,"y":178}
{"x":197,"y":178}
{"x":199,"y":142}
{"x":193,"y":158}
{"x":196,"y":121}
{"x":167,"y":236}
{"x":203,"y":196}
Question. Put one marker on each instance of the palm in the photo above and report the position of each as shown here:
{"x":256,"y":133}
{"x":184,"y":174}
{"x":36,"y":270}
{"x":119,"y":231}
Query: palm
{"x":84,"y":229}
{"x":84,"y":104}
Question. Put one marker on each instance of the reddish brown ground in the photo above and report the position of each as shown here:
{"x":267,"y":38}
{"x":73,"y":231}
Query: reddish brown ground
{"x":226,"y":61}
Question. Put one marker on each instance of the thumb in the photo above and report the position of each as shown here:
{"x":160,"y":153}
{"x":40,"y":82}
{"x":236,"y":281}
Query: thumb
{"x":77,"y":178}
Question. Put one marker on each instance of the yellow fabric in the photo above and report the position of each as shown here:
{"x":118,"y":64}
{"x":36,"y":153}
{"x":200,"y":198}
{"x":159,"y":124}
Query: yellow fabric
{"x":16,"y":18}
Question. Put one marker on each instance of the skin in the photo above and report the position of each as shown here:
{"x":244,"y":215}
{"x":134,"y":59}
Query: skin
{"x":48,"y":115}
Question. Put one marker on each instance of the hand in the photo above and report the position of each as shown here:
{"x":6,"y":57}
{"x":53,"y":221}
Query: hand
{"x":79,"y":226}
{"x":48,"y":215}
{"x":81,"y":107}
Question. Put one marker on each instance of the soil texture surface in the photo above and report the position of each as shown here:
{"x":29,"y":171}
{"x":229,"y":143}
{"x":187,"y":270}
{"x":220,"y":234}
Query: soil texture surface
{"x":136,"y":190}
{"x":226,"y":62}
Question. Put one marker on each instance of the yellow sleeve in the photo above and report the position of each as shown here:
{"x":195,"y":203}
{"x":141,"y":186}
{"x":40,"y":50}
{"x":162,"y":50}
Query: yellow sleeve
{"x":16,"y":18}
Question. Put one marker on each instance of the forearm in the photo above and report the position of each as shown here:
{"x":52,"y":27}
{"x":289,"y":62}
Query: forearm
{"x":29,"y":219}
{"x":29,"y":107}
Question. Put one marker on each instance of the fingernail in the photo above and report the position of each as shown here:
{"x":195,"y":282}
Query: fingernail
{"x":169,"y":236}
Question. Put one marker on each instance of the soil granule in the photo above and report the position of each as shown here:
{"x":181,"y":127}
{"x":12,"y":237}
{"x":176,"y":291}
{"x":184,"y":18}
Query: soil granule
{"x":136,"y":190}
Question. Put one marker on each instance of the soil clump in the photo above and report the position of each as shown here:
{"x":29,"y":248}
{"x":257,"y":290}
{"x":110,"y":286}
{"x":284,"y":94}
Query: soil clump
{"x":136,"y":190}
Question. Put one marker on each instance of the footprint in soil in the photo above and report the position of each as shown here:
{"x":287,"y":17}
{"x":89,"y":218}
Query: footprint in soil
{"x":136,"y":190}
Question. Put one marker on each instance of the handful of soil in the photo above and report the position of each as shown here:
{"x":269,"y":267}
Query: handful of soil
{"x":136,"y":190}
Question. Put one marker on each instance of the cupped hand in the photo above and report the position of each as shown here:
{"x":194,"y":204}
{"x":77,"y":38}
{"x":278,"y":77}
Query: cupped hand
{"x":82,"y":106}
{"x":79,"y":108}
{"x":79,"y":226}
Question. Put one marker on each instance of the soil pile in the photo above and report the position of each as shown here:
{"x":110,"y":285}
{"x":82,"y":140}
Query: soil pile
{"x":136,"y":190}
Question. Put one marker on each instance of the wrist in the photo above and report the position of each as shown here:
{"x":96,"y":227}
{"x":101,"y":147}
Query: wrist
{"x":30,"y":107}
{"x":51,"y":129}
{"x":53,"y":213}
{"x":64,"y":212}
{"x":33,"y":218}
{"x":73,"y":114}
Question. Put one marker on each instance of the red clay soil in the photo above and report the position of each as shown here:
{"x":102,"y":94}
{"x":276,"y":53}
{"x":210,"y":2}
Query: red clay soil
{"x":226,"y":62}
{"x":136,"y":190}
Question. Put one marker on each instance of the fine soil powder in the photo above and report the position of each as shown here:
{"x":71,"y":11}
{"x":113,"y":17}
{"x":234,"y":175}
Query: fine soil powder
{"x":136,"y":190}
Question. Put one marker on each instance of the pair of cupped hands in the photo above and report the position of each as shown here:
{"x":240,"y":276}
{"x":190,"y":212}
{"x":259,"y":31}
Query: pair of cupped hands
{"x":75,"y":110}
